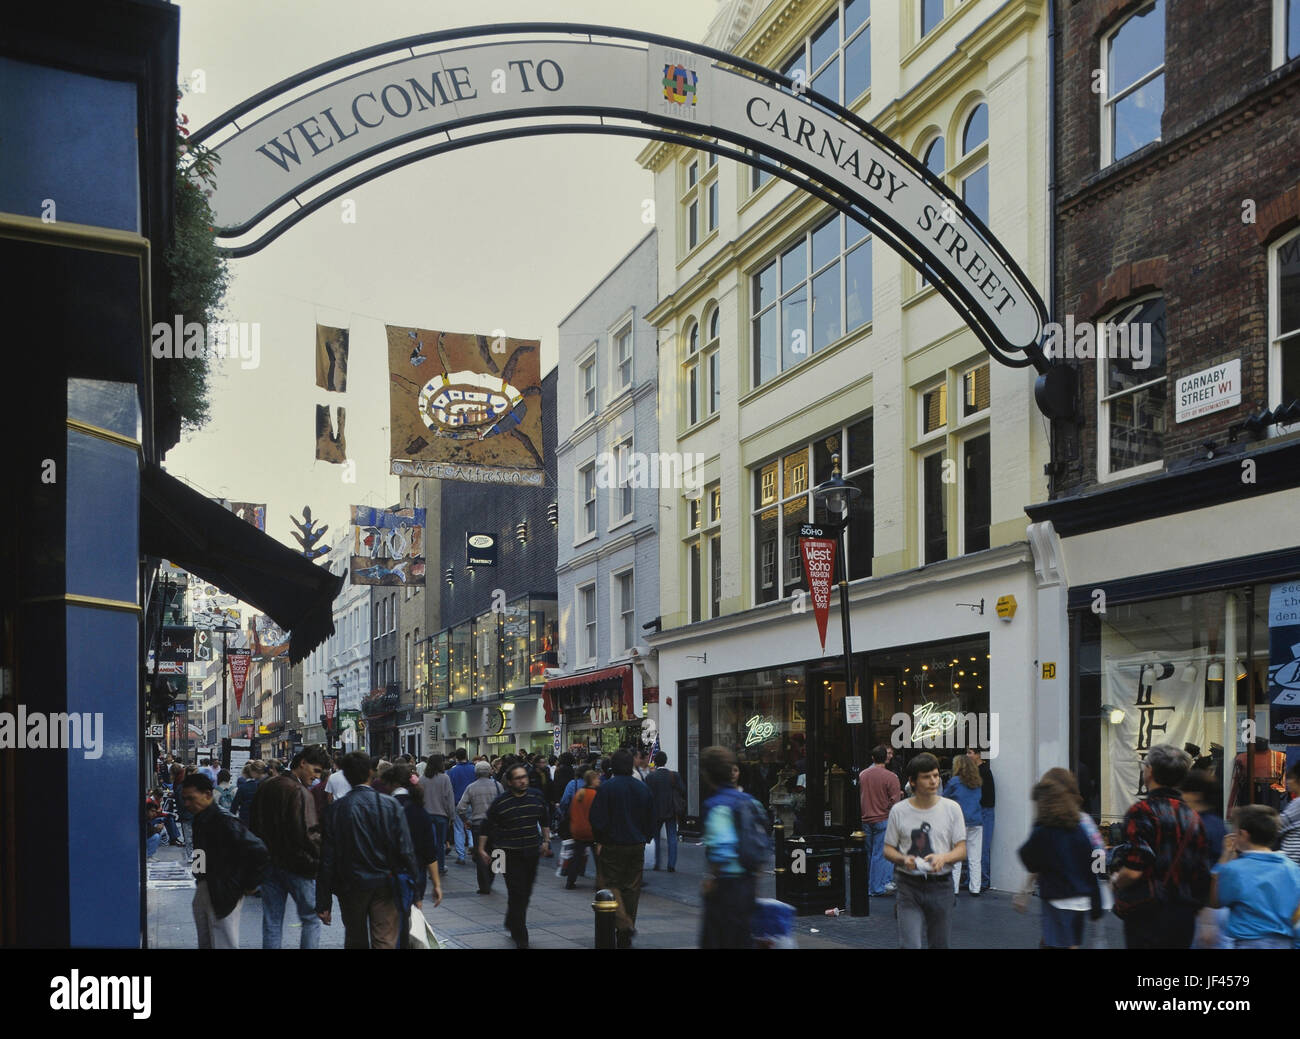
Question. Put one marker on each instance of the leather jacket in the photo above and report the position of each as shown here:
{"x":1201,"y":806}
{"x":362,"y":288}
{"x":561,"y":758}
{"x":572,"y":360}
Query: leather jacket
{"x":233,"y":860}
{"x":365,"y":841}
{"x":284,"y":817}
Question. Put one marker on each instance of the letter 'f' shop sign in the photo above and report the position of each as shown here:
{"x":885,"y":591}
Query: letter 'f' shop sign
{"x":817,"y":546}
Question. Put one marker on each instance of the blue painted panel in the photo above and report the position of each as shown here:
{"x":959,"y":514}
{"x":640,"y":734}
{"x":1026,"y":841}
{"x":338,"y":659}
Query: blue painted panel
{"x":70,"y":138}
{"x":103,"y":518}
{"x":104,"y":780}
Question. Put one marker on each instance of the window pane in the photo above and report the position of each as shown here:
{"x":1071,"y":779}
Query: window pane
{"x":854,"y":232}
{"x":765,"y":484}
{"x":796,"y":68}
{"x":715,"y":390}
{"x":693,"y":224}
{"x":860,"y":446}
{"x":932,"y":504}
{"x":715,"y":576}
{"x":764,"y":287}
{"x":757,"y":178}
{"x":715,"y":506}
{"x":694,"y":577}
{"x":857,"y":275}
{"x":794,"y":327}
{"x":1291,"y":370}
{"x":692,"y":174}
{"x":765,"y":556}
{"x":794,"y":266}
{"x":1137,"y":425}
{"x":825,"y":41}
{"x":934,"y":409}
{"x":794,"y":477}
{"x":934,"y":160}
{"x":975,"y":495}
{"x":713,"y":324}
{"x":826,"y":243}
{"x":693,"y":339}
{"x":855,"y":13}
{"x":975,"y":193}
{"x":826,"y":308}
{"x":1137,"y":48}
{"x":1138,"y":333}
{"x":977,"y":129}
{"x":931,"y":14}
{"x":857,"y":66}
{"x":827,"y":82}
{"x":862,"y":526}
{"x":822,"y":450}
{"x":1137,"y":117}
{"x":766,"y":347}
{"x":975,"y":391}
{"x":1292,"y":29}
{"x":796,"y":512}
{"x":713,"y":205}
{"x":1288,"y":286}
{"x":693,"y":395}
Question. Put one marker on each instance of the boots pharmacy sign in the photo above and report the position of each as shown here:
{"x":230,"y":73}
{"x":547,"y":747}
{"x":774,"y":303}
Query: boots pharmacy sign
{"x":305,"y":132}
{"x":1211,"y":390}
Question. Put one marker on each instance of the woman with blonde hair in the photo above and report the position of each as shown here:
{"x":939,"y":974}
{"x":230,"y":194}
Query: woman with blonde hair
{"x":964,"y":788}
{"x":1063,"y":851}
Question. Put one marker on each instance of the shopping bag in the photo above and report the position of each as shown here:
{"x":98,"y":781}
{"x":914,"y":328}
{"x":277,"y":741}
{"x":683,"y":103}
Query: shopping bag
{"x":421,"y":934}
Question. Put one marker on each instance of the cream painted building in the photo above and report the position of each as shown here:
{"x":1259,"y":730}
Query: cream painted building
{"x":788,"y":332}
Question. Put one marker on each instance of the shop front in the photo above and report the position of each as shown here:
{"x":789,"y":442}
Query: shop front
{"x":596,"y":711}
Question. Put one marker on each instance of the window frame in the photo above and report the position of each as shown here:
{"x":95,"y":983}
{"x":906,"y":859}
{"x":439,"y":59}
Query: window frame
{"x":691,"y":376}
{"x":584,"y":533}
{"x":618,"y":615}
{"x":698,"y":201}
{"x":1280,"y":31}
{"x":969,"y":163}
{"x":699,"y":537}
{"x":622,"y":492}
{"x":1104,"y":471}
{"x":1109,"y":100}
{"x":623,"y":333}
{"x":588,"y":623}
{"x":588,"y":361}
{"x":1276,"y":338}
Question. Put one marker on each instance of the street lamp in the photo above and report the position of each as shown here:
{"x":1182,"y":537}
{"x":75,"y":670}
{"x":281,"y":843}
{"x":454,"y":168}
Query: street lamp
{"x":837,"y":496}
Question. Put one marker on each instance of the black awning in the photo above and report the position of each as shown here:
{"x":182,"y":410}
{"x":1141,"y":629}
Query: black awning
{"x":179,"y":524}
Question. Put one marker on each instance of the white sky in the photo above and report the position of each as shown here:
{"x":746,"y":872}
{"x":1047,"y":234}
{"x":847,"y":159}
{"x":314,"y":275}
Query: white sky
{"x":509,"y":235}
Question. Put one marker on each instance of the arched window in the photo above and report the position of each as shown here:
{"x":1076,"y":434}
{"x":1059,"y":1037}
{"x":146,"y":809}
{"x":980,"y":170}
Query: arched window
{"x":691,"y":375}
{"x":711,"y":363}
{"x":1133,"y":82}
{"x":972,"y":169}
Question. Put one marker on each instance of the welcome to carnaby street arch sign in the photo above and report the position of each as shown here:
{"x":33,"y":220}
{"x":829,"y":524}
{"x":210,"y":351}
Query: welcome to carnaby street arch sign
{"x":686,"y":92}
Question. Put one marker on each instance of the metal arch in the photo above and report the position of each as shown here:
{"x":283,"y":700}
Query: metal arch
{"x":1031,"y":354}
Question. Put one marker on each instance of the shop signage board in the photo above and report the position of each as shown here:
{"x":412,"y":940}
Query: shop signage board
{"x":817,"y":546}
{"x":154,"y":732}
{"x":555,"y":739}
{"x":480,"y":549}
{"x":1284,"y":663}
{"x":853,"y":710}
{"x":1208,"y":391}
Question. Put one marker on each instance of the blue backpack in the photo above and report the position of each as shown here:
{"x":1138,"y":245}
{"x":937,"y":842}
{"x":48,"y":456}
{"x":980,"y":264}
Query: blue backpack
{"x":753,"y":837}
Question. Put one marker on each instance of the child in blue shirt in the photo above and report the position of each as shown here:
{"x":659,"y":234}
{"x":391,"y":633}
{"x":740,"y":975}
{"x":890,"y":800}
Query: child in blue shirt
{"x":1259,"y":886}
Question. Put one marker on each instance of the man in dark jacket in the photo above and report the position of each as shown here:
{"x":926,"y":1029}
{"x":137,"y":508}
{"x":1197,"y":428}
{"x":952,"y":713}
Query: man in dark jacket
{"x":623,"y":822}
{"x":229,"y":862}
{"x":284,"y":817}
{"x":365,"y":842}
{"x":663,"y":785}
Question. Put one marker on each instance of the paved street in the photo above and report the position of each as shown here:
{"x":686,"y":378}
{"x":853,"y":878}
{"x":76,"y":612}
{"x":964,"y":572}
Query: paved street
{"x":668,"y":917}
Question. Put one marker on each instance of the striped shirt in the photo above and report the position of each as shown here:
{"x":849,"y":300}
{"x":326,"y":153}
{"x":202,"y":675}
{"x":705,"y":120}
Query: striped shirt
{"x":1291,"y":830}
{"x":515,"y":821}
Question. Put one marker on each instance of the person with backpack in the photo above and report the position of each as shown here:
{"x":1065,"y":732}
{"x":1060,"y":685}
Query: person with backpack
{"x":737,"y":846}
{"x":670,"y":800}
{"x":575,"y":822}
{"x":623,"y":822}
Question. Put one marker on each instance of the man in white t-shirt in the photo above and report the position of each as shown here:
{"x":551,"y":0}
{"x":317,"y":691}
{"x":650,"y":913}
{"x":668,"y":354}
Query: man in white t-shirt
{"x":925,"y":835}
{"x":336,"y":787}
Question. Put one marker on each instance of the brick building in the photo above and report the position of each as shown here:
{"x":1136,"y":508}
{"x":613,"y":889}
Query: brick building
{"x":1176,"y":486}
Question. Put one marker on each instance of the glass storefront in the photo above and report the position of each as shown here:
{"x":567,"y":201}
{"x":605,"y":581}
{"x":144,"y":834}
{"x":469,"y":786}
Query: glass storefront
{"x":496,"y":654}
{"x":460,"y":662}
{"x":487,"y":654}
{"x":1184,"y":671}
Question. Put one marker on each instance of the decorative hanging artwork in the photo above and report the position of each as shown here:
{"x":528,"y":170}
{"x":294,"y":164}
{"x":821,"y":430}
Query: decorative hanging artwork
{"x":330,"y":446}
{"x":465,"y":406}
{"x":388,"y":546}
{"x":308,"y":534}
{"x":332,"y":358}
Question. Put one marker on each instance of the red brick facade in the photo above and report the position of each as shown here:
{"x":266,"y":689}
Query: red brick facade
{"x":1175,"y":217}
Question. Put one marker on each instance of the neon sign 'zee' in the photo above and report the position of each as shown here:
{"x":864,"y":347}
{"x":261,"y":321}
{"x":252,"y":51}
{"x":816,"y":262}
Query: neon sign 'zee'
{"x":759,"y":730}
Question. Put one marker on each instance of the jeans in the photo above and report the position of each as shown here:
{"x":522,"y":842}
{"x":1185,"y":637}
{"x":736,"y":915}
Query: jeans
{"x":670,"y":826}
{"x":729,"y":913}
{"x":276,"y":886}
{"x":923,"y":902}
{"x":974,"y":845}
{"x":986,"y":857}
{"x":440,"y":836}
{"x":459,"y":830}
{"x":214,"y":932}
{"x":151,"y":844}
{"x":882,"y":870}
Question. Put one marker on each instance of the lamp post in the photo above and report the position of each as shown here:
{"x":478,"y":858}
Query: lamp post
{"x":837,"y":495}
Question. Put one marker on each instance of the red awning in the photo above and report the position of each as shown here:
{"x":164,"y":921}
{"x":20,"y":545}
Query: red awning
{"x":620,"y":675}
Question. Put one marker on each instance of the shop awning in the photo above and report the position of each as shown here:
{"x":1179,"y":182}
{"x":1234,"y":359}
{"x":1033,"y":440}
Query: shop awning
{"x":609,"y":679}
{"x":181,"y":525}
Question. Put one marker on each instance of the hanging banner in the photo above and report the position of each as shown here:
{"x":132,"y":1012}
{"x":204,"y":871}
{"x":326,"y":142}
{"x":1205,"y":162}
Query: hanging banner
{"x":330,"y":446}
{"x":388,"y":546}
{"x":332,"y":358}
{"x":1162,"y":696}
{"x":269,"y":640}
{"x":331,"y":702}
{"x":238,"y":675}
{"x":249,"y":512}
{"x":1284,"y":663}
{"x":465,"y":407}
{"x":818,"y":551}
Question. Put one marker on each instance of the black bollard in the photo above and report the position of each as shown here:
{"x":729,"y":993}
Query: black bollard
{"x":782,"y":858}
{"x":859,"y":875}
{"x":604,"y":907}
